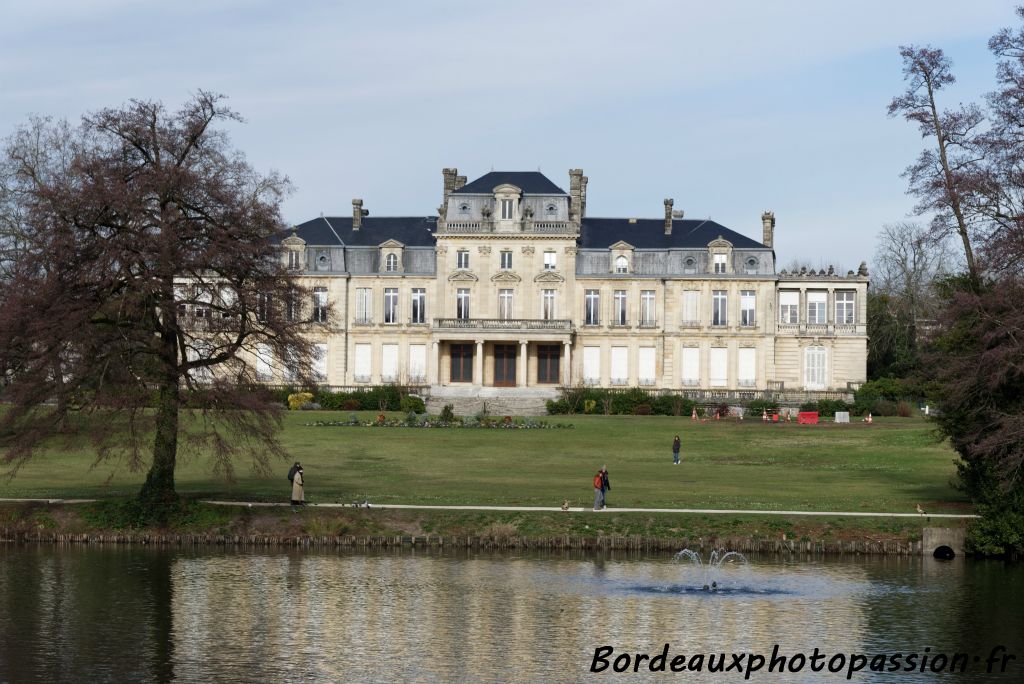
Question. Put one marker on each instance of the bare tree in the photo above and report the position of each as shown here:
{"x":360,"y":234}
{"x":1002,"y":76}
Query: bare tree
{"x":144,"y":281}
{"x":907,"y":261}
{"x":944,"y":176}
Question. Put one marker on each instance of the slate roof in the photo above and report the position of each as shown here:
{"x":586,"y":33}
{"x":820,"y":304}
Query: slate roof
{"x":411,"y":231}
{"x":602,"y":233}
{"x":530,"y":182}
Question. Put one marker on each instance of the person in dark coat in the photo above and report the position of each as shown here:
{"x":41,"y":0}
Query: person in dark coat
{"x":605,"y":486}
{"x":598,"y":491}
{"x":676,"y":445}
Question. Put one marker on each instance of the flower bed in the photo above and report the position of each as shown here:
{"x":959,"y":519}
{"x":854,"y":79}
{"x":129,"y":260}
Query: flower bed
{"x":415,"y":421}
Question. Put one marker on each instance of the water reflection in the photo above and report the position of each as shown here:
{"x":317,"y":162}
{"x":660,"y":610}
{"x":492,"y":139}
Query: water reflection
{"x":115,"y":614}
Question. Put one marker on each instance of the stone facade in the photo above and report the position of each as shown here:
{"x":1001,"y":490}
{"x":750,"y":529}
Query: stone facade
{"x":512,"y":285}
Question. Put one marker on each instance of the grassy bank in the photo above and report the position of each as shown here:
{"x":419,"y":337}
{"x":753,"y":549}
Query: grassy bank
{"x":891,"y":466}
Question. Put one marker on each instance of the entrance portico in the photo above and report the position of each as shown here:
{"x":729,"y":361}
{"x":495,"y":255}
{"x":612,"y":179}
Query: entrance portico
{"x":502,"y":352}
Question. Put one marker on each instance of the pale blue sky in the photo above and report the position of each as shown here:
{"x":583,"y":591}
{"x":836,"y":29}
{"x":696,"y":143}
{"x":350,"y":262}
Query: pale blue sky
{"x":730,"y":109}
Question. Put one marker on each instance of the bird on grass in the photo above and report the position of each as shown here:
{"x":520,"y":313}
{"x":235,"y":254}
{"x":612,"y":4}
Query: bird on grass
{"x":565,"y":505}
{"x":920,"y":510}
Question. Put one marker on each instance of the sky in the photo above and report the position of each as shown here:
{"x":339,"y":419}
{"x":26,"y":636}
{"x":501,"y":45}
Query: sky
{"x":729,"y":108}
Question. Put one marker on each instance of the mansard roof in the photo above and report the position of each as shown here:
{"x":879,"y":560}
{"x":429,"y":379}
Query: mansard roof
{"x":602,"y":233}
{"x":411,"y":231}
{"x":530,"y":182}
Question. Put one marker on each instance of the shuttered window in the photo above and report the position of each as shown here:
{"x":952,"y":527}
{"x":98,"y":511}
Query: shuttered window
{"x":718,"y":370}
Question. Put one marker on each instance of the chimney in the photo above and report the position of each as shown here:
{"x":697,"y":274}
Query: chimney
{"x":576,"y":195}
{"x":668,"y":216}
{"x":357,"y":214}
{"x":460,"y":182}
{"x":449,"y":182}
{"x":583,"y":197}
{"x":768,"y":223}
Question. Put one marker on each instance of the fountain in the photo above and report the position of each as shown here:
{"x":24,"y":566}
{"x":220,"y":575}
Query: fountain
{"x":718,"y":557}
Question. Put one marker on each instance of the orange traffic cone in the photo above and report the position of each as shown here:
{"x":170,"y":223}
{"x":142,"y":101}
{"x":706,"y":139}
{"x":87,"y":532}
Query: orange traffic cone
{"x":717,"y":415}
{"x":869,"y":419}
{"x":693,"y":416}
{"x":764,"y":415}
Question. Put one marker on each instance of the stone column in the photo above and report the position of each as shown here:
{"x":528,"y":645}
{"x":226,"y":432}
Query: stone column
{"x":478,"y":364}
{"x":437,"y":364}
{"x":567,"y":367}
{"x":521,"y":378}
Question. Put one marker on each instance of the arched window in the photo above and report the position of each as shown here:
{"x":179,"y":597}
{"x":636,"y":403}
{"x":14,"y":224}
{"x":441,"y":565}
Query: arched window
{"x":391,"y":262}
{"x":815,"y":368}
{"x":551,"y":210}
{"x":621,"y":265}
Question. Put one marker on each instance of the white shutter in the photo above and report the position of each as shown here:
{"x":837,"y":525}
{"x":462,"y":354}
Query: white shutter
{"x":264,"y":363}
{"x":747,"y":367}
{"x":789,"y":298}
{"x":592,"y":365}
{"x":647,"y":362}
{"x":620,"y":365}
{"x":815,"y":368}
{"x":320,"y":361}
{"x":389,"y":363}
{"x":718,"y":371}
{"x":691,"y":366}
{"x":362,"y":365}
{"x":417,"y":363}
{"x":691,"y":305}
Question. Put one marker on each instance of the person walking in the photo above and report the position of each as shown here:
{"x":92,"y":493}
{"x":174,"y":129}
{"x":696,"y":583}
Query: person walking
{"x":298,"y":489}
{"x":598,"y":491}
{"x":676,"y":445}
{"x":605,"y":486}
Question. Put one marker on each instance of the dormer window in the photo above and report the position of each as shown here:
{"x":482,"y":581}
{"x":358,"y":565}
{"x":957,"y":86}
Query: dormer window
{"x":690,"y":265}
{"x":720,"y":263}
{"x":391,"y":263}
{"x":507,"y":209}
{"x":751,"y":266}
{"x":323,"y":261}
{"x":621,"y":265}
{"x":462,"y":259}
{"x":463,"y":208}
{"x":551,"y":210}
{"x":294,"y":260}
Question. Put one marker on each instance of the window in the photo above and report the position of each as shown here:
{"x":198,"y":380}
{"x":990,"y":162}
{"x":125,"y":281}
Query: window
{"x":262,"y":307}
{"x":621,"y":317}
{"x":507,"y":209}
{"x":549,"y":260}
{"x":294,"y":259}
{"x":391,"y":263}
{"x":292,"y":307}
{"x":547,"y":305}
{"x":816,"y":303}
{"x":844,"y":307}
{"x":691,"y":307}
{"x":719,"y":310}
{"x":364,"y":305}
{"x":506,"y":259}
{"x":815,"y":367}
{"x":789,"y":307}
{"x":320,"y":362}
{"x":463,"y":208}
{"x":592,"y":307}
{"x":462,"y":303}
{"x":419,"y":305}
{"x":748,"y":306}
{"x":417,"y":363}
{"x":323,"y":260}
{"x":647,"y":317}
{"x":320,"y":304}
{"x":202,"y":305}
{"x":505,"y":303}
{"x":747,"y":367}
{"x":462,"y":363}
{"x":621,"y":264}
{"x":390,"y":304}
{"x":690,"y":266}
{"x":228,"y":299}
{"x":462,"y":258}
{"x":264,"y":363}
{"x":363,"y":368}
{"x":389,"y":363}
{"x":751,"y":267}
{"x":592,"y":365}
{"x":718,"y":367}
{"x":548,"y":357}
{"x":691,"y":366}
{"x":646,"y":366}
{"x":620,"y":366}
{"x":719,"y":263}
{"x":551,"y":210}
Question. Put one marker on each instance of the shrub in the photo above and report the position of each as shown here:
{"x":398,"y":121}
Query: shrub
{"x":411,"y":420}
{"x":757,"y":407}
{"x":310,"y":406}
{"x":448,"y":414}
{"x":351,"y":404}
{"x":722,"y":410}
{"x":411,"y":403}
{"x":590,"y":406}
{"x":883,"y":407}
{"x":557,"y":407}
{"x":642,"y":410}
{"x":298,"y":400}
{"x":904,"y":409}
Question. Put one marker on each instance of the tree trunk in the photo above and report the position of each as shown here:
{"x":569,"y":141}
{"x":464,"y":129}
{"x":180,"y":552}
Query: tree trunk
{"x":159,"y":486}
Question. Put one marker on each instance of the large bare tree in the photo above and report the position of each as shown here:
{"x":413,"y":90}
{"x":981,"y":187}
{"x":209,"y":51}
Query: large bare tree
{"x":143,"y":279}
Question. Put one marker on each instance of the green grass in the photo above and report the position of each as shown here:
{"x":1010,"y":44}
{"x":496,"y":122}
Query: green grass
{"x":888,"y":466}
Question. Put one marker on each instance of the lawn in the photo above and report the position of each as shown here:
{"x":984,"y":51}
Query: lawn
{"x":888,"y":466}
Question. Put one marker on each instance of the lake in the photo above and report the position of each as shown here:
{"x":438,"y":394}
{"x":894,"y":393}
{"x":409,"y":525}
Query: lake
{"x":90,"y":613}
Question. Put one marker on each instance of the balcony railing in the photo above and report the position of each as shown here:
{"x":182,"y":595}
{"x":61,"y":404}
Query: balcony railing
{"x":501,"y":324}
{"x":542,"y":227}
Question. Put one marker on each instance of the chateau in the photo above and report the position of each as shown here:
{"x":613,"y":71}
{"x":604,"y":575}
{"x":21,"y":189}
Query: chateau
{"x":512,"y":285}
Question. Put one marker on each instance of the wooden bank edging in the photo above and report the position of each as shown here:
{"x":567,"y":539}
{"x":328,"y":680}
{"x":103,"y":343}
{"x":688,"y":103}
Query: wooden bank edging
{"x":616,"y":543}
